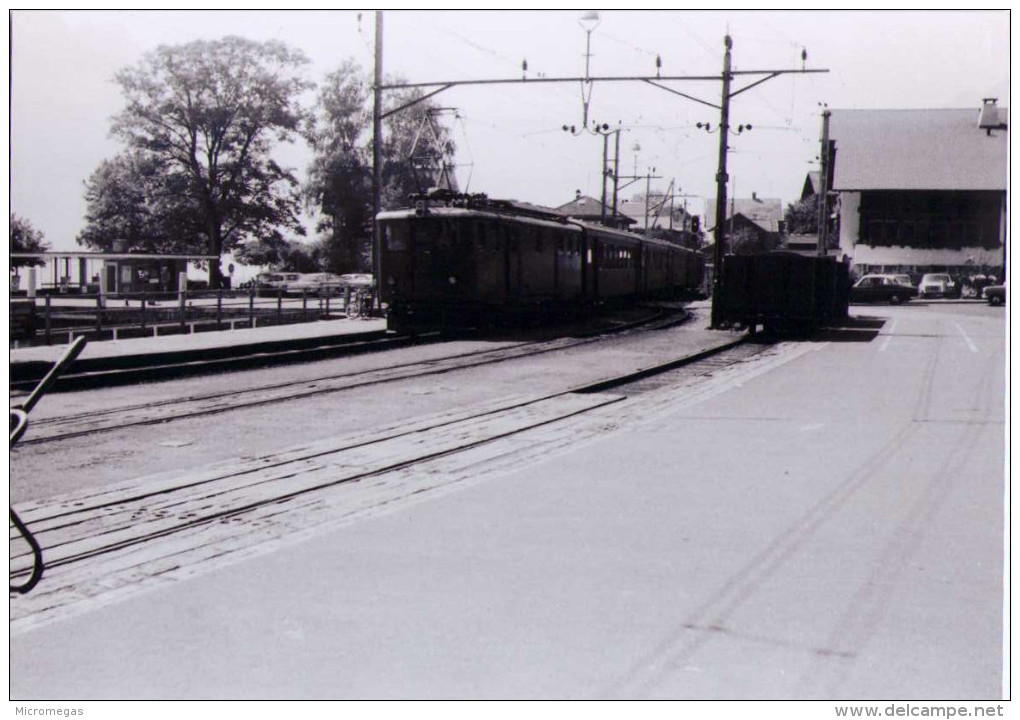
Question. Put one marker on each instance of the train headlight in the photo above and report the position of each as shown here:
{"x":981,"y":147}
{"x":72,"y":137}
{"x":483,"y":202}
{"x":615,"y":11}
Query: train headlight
{"x":452,"y":279}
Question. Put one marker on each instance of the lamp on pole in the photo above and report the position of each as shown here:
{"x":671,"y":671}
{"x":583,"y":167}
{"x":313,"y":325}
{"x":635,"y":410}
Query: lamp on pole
{"x":589,"y":20}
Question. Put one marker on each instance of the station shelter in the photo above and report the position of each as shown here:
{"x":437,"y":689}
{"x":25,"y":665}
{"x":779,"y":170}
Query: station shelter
{"x":103,"y":273}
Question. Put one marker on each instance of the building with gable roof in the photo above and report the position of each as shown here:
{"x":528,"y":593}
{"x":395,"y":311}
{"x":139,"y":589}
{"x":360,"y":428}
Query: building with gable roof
{"x":590,"y":209}
{"x":812,"y":184}
{"x":921,"y":191}
{"x":764,"y":213}
{"x":753,"y":224}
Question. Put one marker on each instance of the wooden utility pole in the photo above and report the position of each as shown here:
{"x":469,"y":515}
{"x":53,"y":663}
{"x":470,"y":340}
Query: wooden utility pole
{"x":605,"y":171}
{"x":616,"y":175}
{"x":721,"y":178}
{"x":377,"y":151}
{"x":823,"y":186}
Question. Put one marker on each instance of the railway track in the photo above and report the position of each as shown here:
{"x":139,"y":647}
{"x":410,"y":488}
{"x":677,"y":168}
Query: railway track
{"x":124,"y":538}
{"x":112,"y":419}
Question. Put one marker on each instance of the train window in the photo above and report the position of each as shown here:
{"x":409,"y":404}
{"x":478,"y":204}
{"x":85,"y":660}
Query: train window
{"x":395,"y":236}
{"x":444,"y":233}
{"x":485,"y":239}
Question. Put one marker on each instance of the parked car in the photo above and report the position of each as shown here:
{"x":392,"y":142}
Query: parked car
{"x":276,"y":280}
{"x":938,"y":285}
{"x":357,"y":280}
{"x":903,"y":279}
{"x":994,"y":294}
{"x":316,"y":283}
{"x":881,"y":288}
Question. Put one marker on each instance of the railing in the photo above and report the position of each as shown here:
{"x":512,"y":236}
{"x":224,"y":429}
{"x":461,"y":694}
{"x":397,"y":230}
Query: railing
{"x":60,"y":318}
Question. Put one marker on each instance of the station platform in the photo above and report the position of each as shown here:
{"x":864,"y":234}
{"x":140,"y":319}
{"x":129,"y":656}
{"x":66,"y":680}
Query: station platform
{"x":30,"y":364}
{"x":193,"y":342}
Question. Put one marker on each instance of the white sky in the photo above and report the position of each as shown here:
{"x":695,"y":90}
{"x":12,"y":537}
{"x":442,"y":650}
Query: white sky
{"x":63,"y":94}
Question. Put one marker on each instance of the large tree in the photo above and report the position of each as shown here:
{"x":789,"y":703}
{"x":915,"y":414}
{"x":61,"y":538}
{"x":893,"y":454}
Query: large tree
{"x":339,"y":186}
{"x":136,"y":202}
{"x":26,"y":239}
{"x":206,"y":115}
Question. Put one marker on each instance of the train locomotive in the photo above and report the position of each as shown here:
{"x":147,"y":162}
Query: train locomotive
{"x":461,"y":261}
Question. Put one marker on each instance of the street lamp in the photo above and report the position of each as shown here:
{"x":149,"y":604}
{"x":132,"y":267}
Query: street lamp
{"x":588,"y":21}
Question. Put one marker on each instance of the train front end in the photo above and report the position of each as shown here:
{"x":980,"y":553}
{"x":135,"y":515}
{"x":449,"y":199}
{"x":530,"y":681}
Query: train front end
{"x":428,"y":270}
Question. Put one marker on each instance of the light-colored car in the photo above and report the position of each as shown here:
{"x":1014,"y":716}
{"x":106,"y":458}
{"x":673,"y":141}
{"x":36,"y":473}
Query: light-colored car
{"x":312,"y":283}
{"x":276,"y":280}
{"x":938,"y":285}
{"x":357,"y":280}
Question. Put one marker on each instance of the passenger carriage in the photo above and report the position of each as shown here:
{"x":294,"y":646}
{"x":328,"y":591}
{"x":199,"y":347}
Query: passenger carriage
{"x":471,"y":261}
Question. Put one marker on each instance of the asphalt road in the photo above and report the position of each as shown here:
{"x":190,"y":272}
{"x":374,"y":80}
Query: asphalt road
{"x":826,"y":522}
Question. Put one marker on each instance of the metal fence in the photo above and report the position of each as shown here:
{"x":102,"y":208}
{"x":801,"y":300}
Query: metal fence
{"x":58,"y":318}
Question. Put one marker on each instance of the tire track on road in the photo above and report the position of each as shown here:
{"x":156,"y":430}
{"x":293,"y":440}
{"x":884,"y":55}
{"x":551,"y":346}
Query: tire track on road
{"x":708,"y":621}
{"x":869,"y":604}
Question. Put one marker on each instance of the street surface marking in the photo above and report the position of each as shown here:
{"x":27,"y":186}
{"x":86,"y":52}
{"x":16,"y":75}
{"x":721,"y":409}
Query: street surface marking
{"x":888,"y":337}
{"x":970,"y":343}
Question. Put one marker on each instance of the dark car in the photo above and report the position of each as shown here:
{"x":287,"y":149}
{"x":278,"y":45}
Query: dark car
{"x":881,"y":288}
{"x":994,"y":294}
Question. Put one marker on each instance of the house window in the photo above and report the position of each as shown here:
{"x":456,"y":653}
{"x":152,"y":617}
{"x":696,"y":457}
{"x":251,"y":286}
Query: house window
{"x":876,"y":233}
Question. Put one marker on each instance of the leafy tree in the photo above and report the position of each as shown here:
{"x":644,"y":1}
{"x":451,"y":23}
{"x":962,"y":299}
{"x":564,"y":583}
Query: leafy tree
{"x":339,"y":182}
{"x":26,"y":239}
{"x":302,"y":258}
{"x":339,"y":185}
{"x":133,"y":202}
{"x":201,"y":119}
{"x":802,"y":216}
{"x":263,"y":251}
